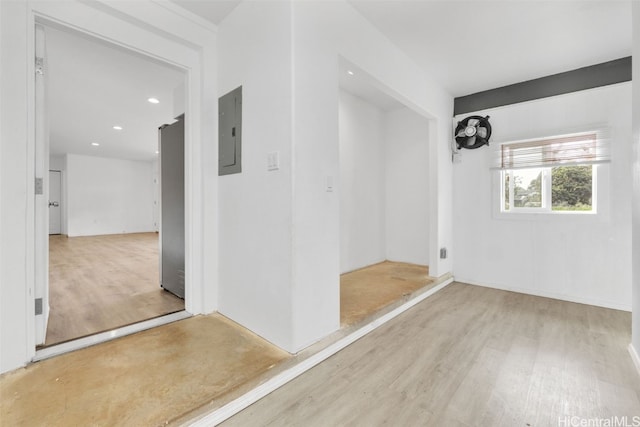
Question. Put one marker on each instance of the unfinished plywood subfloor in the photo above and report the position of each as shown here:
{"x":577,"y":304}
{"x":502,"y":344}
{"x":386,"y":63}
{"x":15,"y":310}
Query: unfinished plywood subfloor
{"x":366,"y":291}
{"x":146,"y":379}
{"x":99,"y":283}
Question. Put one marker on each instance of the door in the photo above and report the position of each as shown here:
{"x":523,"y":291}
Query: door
{"x":171,"y":143}
{"x":55,"y":186}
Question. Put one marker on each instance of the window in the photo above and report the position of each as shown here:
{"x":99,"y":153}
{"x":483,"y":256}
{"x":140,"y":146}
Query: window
{"x":559,"y":188}
{"x":551,"y":175}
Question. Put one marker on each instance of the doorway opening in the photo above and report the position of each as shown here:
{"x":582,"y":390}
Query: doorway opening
{"x":101,"y":107}
{"x":384,"y":197}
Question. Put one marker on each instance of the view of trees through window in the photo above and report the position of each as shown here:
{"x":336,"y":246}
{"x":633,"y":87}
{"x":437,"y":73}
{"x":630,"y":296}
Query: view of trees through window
{"x":571,"y":188}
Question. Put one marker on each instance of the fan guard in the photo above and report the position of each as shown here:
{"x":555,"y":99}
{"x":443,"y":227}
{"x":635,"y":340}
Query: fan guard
{"x":473,"y":132}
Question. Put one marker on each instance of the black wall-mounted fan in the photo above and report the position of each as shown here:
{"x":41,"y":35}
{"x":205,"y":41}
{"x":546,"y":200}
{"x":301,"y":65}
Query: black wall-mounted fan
{"x":473,"y":132}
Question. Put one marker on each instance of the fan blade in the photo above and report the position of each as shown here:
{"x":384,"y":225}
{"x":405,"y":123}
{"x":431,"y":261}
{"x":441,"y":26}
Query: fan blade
{"x":471,"y":141}
{"x":481,"y":142}
{"x":482,"y":132}
{"x":461,"y":133}
{"x":473,"y":122}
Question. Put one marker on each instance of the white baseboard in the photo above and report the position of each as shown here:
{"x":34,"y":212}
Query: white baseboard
{"x":553,"y":295}
{"x":634,"y":357}
{"x":219,"y":415}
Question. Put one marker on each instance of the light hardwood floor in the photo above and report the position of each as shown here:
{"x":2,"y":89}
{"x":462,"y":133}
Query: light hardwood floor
{"x":468,"y":356}
{"x":99,"y":283}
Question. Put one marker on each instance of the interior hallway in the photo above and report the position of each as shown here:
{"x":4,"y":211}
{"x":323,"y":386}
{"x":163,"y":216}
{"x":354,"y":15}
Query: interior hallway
{"x":99,"y":283}
{"x":159,"y":375}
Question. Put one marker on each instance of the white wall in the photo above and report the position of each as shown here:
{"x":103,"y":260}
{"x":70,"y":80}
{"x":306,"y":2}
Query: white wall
{"x":384,"y":185}
{"x":128,"y":183}
{"x":636,"y":179}
{"x":255,"y":205}
{"x":108,"y":196}
{"x":362,"y":183}
{"x":15,"y":215}
{"x":583,"y":259}
{"x":407,"y":201}
{"x":323,"y":31}
{"x":178,"y":100}
{"x":279,"y":231}
{"x":57,"y":163}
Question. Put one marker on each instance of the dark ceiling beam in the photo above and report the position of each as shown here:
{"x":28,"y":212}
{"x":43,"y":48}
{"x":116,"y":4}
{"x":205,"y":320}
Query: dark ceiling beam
{"x":606,"y":73}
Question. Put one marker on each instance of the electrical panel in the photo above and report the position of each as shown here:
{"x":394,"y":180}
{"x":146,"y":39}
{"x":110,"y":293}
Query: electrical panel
{"x":230,"y":132}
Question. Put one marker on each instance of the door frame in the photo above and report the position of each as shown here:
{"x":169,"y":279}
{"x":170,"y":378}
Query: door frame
{"x":41,"y":173}
{"x":140,"y":27}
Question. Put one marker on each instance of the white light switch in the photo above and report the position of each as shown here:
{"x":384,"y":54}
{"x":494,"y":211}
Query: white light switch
{"x":273,"y":161}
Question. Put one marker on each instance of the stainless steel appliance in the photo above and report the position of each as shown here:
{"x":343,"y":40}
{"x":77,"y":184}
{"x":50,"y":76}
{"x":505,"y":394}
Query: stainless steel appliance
{"x":171,"y":142}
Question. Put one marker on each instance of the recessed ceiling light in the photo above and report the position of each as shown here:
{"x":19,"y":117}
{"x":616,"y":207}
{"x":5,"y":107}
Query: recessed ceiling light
{"x":157,"y":152}
{"x":153,"y":100}
{"x":116,"y":127}
{"x":95,"y":144}
{"x":350,"y":72}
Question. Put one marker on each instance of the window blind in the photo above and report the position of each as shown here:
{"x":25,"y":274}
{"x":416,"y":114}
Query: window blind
{"x":580,"y":149}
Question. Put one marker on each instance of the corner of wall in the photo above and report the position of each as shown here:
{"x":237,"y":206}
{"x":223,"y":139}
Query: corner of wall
{"x":255,"y":230}
{"x":325,"y":31}
{"x":635,"y":253}
{"x":15,"y":218}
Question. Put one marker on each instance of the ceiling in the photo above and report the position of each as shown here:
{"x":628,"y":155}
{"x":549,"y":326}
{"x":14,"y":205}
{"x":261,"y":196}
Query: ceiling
{"x":92,"y":86}
{"x":212,"y":10}
{"x":475,"y":45}
{"x":466,"y":45}
{"x":471,"y":46}
{"x":359,"y":83}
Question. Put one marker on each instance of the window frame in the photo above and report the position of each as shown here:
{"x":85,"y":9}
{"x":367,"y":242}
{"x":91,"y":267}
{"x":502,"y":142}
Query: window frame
{"x":601,"y":190}
{"x":546,"y":192}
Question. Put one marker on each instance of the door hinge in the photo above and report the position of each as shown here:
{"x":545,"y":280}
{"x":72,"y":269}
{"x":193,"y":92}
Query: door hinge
{"x":39,"y":186}
{"x":38,"y":306}
{"x":39,"y":65}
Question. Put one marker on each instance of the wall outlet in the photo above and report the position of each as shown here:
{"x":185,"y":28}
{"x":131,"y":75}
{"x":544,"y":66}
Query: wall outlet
{"x":443,"y":253}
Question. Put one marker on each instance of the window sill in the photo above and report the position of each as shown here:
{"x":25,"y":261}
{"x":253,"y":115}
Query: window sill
{"x":550,"y":216}
{"x":600,"y":215}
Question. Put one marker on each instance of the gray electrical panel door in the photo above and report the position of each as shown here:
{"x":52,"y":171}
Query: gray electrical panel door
{"x":172,"y":276}
{"x":230,"y":132}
